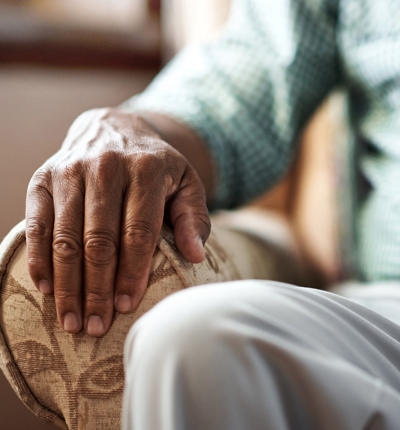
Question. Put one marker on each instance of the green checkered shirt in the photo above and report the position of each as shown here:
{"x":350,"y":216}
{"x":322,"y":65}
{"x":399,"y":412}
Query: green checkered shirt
{"x":250,"y":93}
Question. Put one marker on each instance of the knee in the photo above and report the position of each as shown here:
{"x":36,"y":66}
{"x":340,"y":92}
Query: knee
{"x":181,"y":324}
{"x":206,"y":318}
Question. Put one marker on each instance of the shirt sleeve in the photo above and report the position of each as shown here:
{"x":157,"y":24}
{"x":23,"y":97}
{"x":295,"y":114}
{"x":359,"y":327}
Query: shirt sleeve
{"x":249,"y":93}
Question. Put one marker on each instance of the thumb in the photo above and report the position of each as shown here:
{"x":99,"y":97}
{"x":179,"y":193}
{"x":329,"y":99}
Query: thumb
{"x":188,"y":214}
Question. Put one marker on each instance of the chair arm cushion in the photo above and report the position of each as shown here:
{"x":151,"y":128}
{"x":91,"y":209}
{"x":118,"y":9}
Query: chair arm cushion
{"x":76,"y":381}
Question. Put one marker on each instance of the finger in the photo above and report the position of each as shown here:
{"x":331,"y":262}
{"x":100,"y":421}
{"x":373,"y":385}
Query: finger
{"x":188,"y":214}
{"x":67,"y":246}
{"x":39,"y":231}
{"x":103,"y":207}
{"x":141,"y":226}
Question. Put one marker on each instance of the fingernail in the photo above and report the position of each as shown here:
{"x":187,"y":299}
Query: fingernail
{"x":123,"y":303}
{"x":44,"y":287}
{"x":95,"y":326}
{"x":70,"y":322}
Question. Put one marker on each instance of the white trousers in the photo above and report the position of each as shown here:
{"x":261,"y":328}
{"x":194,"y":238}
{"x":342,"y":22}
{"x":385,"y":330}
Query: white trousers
{"x":261,"y":355}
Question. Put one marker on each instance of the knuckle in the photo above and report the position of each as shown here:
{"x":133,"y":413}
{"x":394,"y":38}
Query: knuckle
{"x":69,"y":170}
{"x":68,"y":179}
{"x":36,"y":263}
{"x":36,"y":268}
{"x":204,"y":220}
{"x":140,"y":238}
{"x":100,"y":248}
{"x":65,"y":297}
{"x":37,"y":230}
{"x":106,"y":166}
{"x":66,"y":248}
{"x":100,"y":298}
{"x":40,"y":182}
{"x":66,"y":300}
{"x":128,"y":280}
{"x":191,"y":179}
{"x":149,"y":164}
{"x":42,"y":176}
{"x":107,"y":159}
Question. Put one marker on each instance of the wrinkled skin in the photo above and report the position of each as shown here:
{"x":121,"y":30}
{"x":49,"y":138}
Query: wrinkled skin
{"x":95,"y":211}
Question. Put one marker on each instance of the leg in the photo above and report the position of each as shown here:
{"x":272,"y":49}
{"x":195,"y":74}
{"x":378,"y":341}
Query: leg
{"x":261,"y":355}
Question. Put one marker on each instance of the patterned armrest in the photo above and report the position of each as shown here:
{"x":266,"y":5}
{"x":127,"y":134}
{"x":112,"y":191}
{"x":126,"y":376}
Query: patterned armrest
{"x":76,"y":381}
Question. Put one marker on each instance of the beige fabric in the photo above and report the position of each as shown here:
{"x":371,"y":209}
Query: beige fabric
{"x":76,"y":381}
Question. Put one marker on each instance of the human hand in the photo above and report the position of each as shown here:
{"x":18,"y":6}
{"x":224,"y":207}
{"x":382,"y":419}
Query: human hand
{"x":94,"y":212}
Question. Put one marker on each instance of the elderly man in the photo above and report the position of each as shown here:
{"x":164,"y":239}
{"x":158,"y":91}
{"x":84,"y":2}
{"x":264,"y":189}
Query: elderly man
{"x":221,"y":122}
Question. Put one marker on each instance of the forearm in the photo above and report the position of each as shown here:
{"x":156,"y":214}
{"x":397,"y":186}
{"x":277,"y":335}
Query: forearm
{"x":188,"y":143}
